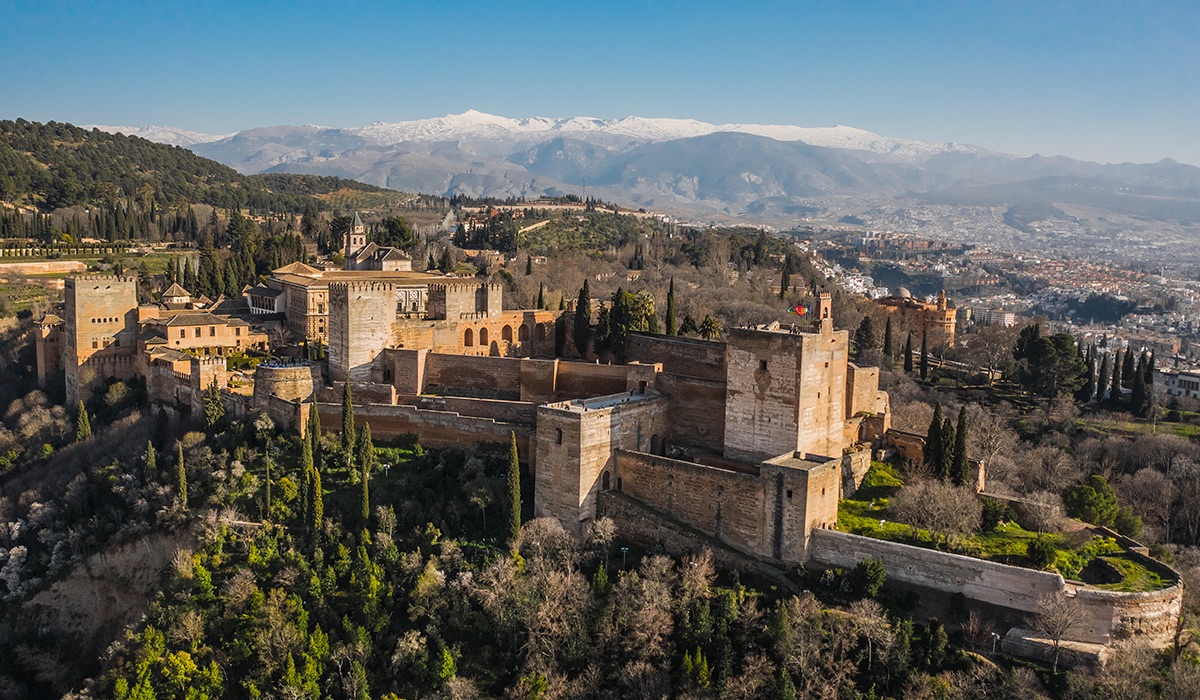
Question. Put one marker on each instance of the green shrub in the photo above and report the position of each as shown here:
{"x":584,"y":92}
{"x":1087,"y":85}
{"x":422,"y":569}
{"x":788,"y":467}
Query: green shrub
{"x":995,"y":512}
{"x":1041,"y":552}
{"x":1127,"y":523}
{"x":868,"y":577}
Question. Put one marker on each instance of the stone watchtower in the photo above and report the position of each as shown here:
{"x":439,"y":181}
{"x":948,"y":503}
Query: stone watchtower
{"x":361,"y":320}
{"x":454,"y":301}
{"x":786,"y":390}
{"x":98,"y":333}
{"x":356,"y":238}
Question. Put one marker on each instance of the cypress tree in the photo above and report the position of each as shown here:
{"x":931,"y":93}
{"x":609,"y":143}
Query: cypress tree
{"x":1114,"y":394}
{"x":541,"y":302}
{"x":267,"y":496}
{"x":583,"y":319}
{"x":181,"y":478}
{"x":961,"y":464}
{"x":151,"y":472}
{"x":1150,"y":369}
{"x":1102,"y":379}
{"x":671,"y":308}
{"x":307,"y":468}
{"x":317,"y":499}
{"x":924,"y":355}
{"x":889,"y":351}
{"x":214,"y":405}
{"x":1137,"y":400}
{"x":1088,"y":390}
{"x":366,"y":461}
{"x":785,"y":281}
{"x":562,"y":302}
{"x":1127,"y":370}
{"x":946,"y":451}
{"x":514,"y":489}
{"x":864,"y":337}
{"x":313,"y":434}
{"x":528,"y":265}
{"x":83,"y":424}
{"x":347,"y":422}
{"x":933,"y":442}
{"x":908,"y":350}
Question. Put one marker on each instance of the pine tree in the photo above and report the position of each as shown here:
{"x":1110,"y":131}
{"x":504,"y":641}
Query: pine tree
{"x":889,"y":351}
{"x":924,"y":355}
{"x":151,"y":471}
{"x":541,"y":302}
{"x":671,"y":308}
{"x":864,"y":337}
{"x":83,"y":424}
{"x":366,"y":461}
{"x":908,"y":351}
{"x":181,"y":484}
{"x":583,"y":319}
{"x":933,"y":442}
{"x":347,"y":422}
{"x":514,"y":490}
{"x":960,"y":468}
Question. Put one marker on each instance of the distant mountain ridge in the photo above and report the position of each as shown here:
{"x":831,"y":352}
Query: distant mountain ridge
{"x":766,"y":172}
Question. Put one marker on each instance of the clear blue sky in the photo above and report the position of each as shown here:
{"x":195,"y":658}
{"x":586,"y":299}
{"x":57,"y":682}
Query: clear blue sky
{"x":1107,"y":81}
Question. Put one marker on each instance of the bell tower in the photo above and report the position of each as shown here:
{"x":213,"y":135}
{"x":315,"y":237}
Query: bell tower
{"x":356,"y":238}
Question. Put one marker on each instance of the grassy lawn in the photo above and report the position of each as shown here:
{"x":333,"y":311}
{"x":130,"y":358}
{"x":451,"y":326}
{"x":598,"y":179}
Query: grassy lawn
{"x":867,"y":514}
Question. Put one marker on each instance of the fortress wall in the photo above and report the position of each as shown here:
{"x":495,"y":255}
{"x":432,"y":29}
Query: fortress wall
{"x":1107,"y":615}
{"x":433,"y":428}
{"x":697,"y":411}
{"x":577,"y":380}
{"x":761,"y":407}
{"x":521,"y":412}
{"x":862,"y":387}
{"x":703,"y":359}
{"x":408,"y":369}
{"x":473,"y":372}
{"x":538,"y":380}
{"x":728,"y":506}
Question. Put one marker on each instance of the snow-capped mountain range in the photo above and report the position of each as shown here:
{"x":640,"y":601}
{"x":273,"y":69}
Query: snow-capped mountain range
{"x":767,"y":172}
{"x":473,"y":124}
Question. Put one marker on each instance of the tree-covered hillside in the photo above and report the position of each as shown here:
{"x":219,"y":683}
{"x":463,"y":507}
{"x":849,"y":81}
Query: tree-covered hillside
{"x":55,"y":165}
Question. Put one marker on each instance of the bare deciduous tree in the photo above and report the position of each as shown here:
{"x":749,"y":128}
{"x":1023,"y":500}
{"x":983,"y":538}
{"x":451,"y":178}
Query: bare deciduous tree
{"x":1056,"y":615}
{"x":941,"y":508}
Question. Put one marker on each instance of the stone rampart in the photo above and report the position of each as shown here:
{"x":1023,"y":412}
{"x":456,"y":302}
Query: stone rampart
{"x":1106,"y":615}
{"x":697,"y":411}
{"x":432,"y":428}
{"x":497,"y":374}
{"x":689,"y":357}
{"x":287,"y":382}
{"x":520,"y":412}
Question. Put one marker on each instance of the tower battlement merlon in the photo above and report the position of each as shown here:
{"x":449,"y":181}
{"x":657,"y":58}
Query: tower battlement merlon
{"x":125,"y":279}
{"x":361,"y":286}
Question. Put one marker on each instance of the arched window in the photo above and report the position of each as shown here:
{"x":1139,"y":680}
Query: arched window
{"x":522,"y":333}
{"x":655,"y":445}
{"x":506,"y":333}
{"x":468,"y":338}
{"x":483,"y":337}
{"x":604,"y":482}
{"x":541,"y":332}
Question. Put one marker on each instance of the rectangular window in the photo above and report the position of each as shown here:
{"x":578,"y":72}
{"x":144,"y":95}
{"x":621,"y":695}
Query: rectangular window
{"x":197,"y":331}
{"x":237,"y":331}
{"x":762,"y":365}
{"x":212,"y":331}
{"x":182,"y":333}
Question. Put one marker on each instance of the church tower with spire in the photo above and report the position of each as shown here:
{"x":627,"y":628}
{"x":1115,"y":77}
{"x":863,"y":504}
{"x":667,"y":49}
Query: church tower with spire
{"x":356,"y":237}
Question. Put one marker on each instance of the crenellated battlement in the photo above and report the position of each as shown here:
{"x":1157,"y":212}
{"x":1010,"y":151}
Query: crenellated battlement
{"x":364,"y":286}
{"x":124,"y":279}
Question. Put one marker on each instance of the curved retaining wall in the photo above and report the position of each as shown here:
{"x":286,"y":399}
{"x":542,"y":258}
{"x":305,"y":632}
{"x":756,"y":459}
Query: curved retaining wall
{"x":1107,"y":615}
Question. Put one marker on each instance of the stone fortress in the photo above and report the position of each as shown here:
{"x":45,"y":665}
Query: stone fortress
{"x":745,"y":445}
